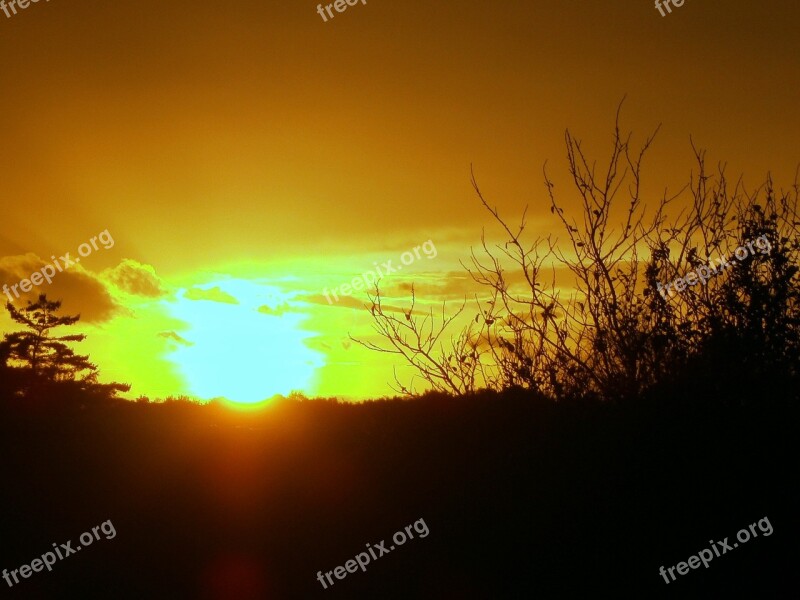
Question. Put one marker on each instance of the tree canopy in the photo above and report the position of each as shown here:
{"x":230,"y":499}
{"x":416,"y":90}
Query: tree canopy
{"x":34,"y":362}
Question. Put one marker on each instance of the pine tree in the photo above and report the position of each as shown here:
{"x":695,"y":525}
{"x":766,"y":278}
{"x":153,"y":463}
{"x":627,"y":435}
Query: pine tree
{"x":44,"y":360}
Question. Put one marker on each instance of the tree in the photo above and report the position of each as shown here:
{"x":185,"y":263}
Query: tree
{"x":34,"y":359}
{"x":613,"y":330}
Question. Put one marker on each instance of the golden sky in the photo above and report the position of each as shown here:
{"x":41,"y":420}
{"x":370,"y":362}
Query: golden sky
{"x":246,"y":155}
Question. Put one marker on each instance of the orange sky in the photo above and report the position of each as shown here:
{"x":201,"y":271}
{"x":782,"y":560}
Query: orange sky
{"x":253,"y":148}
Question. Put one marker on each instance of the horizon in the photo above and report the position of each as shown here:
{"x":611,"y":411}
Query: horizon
{"x":245,"y":181}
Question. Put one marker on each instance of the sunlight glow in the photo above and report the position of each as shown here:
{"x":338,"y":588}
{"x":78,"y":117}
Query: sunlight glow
{"x":243,"y":341}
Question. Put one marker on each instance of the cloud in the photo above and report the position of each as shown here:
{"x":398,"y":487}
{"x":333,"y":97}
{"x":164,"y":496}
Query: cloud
{"x":171,"y":335}
{"x":275,"y":312}
{"x":348,"y":302}
{"x":81,"y":292}
{"x":135,"y":278}
{"x":453,"y":285}
{"x":214,"y":294}
{"x":344,"y":301}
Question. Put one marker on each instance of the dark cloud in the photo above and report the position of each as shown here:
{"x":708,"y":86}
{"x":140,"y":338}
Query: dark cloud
{"x":135,"y":278}
{"x":214,"y":294}
{"x":80,"y":291}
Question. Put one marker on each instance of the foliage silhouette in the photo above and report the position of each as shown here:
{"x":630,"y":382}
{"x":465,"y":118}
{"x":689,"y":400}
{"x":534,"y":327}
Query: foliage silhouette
{"x":34,"y":364}
{"x":615,"y":337}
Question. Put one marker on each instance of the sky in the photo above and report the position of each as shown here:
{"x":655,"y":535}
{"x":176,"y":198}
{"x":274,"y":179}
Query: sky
{"x":247,"y":156}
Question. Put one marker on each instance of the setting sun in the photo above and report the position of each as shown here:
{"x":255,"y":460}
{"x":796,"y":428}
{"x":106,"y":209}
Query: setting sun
{"x":242,"y":341}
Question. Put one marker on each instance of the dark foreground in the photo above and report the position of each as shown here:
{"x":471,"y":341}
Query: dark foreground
{"x":522,"y":499}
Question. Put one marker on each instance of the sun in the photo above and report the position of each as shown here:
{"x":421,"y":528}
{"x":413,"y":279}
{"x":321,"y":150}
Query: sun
{"x":242,"y":341}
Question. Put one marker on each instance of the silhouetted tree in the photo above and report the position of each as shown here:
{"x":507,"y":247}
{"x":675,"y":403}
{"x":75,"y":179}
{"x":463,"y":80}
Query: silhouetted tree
{"x":452,"y":368}
{"x":34,"y":359}
{"x":615,"y":335}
